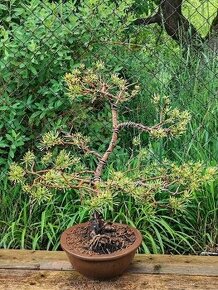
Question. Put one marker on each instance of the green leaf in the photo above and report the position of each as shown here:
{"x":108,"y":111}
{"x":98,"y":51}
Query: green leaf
{"x":9,"y":137}
{"x":3,"y":7}
{"x":3,"y":144}
{"x":33,"y":70}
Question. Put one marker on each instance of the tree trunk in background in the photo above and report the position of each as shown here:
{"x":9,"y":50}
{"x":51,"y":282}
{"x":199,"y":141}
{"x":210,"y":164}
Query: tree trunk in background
{"x":212,"y":37}
{"x":170,"y":17}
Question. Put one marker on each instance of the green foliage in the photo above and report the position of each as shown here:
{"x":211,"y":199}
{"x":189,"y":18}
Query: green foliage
{"x":43,"y":40}
{"x":96,"y":84}
{"x":40,"y":42}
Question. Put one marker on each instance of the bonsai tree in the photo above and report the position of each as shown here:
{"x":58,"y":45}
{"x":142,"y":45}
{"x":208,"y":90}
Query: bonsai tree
{"x":63,"y":167}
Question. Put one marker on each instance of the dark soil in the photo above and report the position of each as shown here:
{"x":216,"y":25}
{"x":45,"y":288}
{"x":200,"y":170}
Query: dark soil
{"x":112,"y":238}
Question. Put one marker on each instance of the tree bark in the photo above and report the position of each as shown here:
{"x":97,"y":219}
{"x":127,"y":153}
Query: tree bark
{"x":212,"y":37}
{"x":113,"y":142}
{"x":214,"y":26}
{"x":169,"y":16}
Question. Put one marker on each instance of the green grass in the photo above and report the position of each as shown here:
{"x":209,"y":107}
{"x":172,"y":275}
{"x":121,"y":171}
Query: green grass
{"x":36,"y":226}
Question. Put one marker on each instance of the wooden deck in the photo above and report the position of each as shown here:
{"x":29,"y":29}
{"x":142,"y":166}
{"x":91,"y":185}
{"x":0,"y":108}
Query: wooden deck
{"x":21,"y":269}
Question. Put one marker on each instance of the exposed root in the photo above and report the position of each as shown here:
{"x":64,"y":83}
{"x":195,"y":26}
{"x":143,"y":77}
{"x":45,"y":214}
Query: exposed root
{"x":104,"y":238}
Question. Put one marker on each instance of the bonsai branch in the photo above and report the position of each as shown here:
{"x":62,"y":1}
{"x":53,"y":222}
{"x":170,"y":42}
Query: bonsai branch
{"x":138,"y":126}
{"x":85,"y":149}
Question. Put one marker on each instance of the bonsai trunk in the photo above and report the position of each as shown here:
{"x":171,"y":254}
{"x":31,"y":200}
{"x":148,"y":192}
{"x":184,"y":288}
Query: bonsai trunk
{"x":113,"y":142}
{"x":103,"y":235}
{"x":98,"y":228}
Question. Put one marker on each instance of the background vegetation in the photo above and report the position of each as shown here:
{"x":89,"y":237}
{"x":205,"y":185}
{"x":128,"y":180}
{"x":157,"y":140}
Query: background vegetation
{"x":40,"y":42}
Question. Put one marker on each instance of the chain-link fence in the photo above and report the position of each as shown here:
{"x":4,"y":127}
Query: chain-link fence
{"x":168,"y":47}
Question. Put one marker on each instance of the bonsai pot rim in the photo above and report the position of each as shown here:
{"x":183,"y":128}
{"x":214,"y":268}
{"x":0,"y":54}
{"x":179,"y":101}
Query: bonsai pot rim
{"x":102,"y":257}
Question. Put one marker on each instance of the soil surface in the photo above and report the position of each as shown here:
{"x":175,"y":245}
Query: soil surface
{"x":116,"y":239}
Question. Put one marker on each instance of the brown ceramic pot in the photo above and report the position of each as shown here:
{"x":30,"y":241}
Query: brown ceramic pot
{"x":103,"y":266}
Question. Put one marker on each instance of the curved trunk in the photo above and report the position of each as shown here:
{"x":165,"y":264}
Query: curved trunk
{"x":113,"y":142}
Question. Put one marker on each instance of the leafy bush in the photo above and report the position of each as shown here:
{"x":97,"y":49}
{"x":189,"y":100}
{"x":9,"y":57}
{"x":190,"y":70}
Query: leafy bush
{"x":40,"y":42}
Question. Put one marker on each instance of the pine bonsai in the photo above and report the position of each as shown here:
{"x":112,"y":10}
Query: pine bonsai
{"x":63,"y":167}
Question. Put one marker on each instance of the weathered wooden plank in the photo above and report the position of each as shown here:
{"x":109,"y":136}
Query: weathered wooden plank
{"x":178,"y":265}
{"x":27,"y":259}
{"x":71,"y":280}
{"x":144,"y":264}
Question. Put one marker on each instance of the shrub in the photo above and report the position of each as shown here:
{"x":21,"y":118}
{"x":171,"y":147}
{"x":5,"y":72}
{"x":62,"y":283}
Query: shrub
{"x":40,"y":42}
